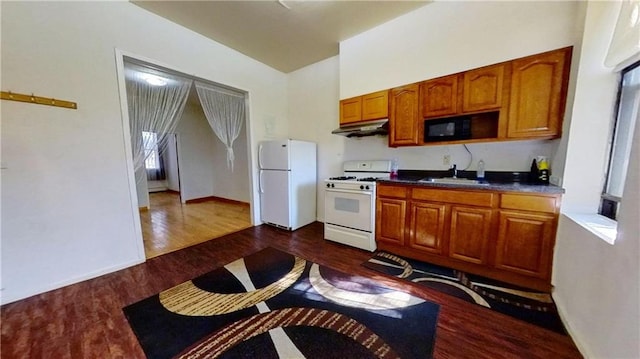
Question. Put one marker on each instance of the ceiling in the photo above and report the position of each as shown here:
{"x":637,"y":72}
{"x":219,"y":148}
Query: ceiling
{"x":286,"y":34}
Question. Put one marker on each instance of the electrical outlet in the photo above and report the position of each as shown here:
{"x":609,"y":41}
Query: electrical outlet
{"x":446,"y":160}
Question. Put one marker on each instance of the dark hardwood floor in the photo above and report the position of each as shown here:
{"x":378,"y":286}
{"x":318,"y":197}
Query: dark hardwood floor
{"x":85,"y":320}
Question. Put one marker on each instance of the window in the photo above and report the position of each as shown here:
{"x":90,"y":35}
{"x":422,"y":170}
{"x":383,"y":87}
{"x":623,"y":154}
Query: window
{"x":625,"y":121}
{"x":151,"y":153}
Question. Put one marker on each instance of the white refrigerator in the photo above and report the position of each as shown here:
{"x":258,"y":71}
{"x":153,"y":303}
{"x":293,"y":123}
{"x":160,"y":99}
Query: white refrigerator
{"x":287,"y":183}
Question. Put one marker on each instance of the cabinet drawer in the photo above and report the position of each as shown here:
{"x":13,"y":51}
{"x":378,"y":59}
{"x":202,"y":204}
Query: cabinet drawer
{"x":392,"y":191}
{"x":529,"y":202}
{"x":484,"y":199}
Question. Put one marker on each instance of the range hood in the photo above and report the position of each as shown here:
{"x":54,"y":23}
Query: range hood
{"x":361,"y":129}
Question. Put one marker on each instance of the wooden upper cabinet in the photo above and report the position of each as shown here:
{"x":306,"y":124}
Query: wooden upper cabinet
{"x":404,"y":119}
{"x":468,"y":92}
{"x":375,"y":105}
{"x":483,"y":88}
{"x":538,"y":94}
{"x":372,"y":106}
{"x":439,"y":96}
{"x":351,"y":110}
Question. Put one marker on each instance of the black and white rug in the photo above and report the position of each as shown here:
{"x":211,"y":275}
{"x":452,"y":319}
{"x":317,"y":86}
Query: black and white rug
{"x":531,"y":306}
{"x":272,"y":304}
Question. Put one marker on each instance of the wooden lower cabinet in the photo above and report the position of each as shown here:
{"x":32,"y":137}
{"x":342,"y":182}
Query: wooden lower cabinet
{"x":392,"y":217}
{"x":426,"y":227}
{"x":504,"y":236}
{"x":524,"y":242}
{"x":470,"y":234}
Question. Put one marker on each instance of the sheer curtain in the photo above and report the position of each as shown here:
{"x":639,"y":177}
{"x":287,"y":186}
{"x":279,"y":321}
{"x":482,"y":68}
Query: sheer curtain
{"x":156,"y":101}
{"x":225,"y":112}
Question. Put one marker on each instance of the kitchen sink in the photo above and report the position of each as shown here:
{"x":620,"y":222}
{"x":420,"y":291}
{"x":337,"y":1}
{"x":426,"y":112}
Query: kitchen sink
{"x":453,"y":180}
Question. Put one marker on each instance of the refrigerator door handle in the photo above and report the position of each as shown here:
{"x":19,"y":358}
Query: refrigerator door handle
{"x":260,"y":186}
{"x":260,"y":156}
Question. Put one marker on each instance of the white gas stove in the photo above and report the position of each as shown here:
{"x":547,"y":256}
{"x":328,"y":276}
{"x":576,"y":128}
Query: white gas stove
{"x":349,"y":208}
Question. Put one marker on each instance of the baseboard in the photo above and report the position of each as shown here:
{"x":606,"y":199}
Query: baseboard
{"x":157,"y":189}
{"x":567,"y":325}
{"x":217,"y":199}
{"x":4,"y":299}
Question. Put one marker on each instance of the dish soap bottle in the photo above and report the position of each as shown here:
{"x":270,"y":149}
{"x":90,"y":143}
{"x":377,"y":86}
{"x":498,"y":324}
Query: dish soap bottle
{"x":480,"y":171}
{"x":394,"y":168}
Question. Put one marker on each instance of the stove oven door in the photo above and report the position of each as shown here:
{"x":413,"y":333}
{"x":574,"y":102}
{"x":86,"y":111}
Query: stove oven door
{"x":351,"y":209}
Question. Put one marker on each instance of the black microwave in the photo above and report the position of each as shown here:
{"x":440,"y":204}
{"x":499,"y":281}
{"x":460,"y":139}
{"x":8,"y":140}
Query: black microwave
{"x":448,"y":129}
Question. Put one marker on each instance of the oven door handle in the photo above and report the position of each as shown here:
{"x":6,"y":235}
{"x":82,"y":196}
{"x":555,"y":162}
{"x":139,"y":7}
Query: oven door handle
{"x":348,"y":191}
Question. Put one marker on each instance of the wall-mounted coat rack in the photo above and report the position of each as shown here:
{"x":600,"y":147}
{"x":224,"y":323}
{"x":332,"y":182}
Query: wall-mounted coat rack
{"x":11,"y":96}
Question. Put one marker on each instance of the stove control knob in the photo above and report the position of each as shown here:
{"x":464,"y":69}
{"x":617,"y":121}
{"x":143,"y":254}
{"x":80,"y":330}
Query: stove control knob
{"x":367,"y":187}
{"x":361,"y":187}
{"x":332,"y":185}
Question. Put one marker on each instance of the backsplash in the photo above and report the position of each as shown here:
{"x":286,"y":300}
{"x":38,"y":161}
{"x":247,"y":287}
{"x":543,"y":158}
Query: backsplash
{"x":497,"y":156}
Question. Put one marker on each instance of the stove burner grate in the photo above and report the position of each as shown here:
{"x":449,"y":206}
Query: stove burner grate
{"x":342,"y":178}
{"x":367,"y":179}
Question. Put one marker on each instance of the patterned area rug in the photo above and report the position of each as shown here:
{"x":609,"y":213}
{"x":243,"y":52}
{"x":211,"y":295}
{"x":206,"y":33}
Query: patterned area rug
{"x":533,"y":307}
{"x":272,"y":304}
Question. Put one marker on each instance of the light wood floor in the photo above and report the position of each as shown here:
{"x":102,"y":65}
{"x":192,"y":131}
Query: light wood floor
{"x":170,"y":225}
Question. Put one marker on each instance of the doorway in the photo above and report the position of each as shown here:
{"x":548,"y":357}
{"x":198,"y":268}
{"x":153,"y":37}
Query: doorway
{"x":210,"y":200}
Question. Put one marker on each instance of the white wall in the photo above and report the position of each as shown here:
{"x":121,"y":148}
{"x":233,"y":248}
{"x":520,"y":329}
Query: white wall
{"x":447,"y":37}
{"x":173,"y":180}
{"x":444,"y":38}
{"x":68,"y":212}
{"x":142,"y":188}
{"x":196,"y":153}
{"x":227,"y":183}
{"x":498,"y":156}
{"x":597,"y":285}
{"x":313,"y":114}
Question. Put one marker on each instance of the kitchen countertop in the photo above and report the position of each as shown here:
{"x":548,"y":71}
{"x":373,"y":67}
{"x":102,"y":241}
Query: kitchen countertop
{"x":498,"y":184}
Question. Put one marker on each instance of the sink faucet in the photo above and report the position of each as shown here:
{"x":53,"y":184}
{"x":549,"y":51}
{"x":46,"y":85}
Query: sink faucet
{"x":454,"y":169}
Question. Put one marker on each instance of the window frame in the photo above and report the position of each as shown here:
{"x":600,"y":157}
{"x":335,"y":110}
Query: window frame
{"x":610,"y":204}
{"x":153,"y":149}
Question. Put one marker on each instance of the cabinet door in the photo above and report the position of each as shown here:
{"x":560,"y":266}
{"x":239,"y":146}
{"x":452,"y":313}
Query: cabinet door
{"x":375,"y":105}
{"x":390,"y":220}
{"x":426,"y":229}
{"x":538,"y":94}
{"x":482,"y":89}
{"x":525,"y":243}
{"x":470,"y":234}
{"x":404,"y":116}
{"x":440,"y":96}
{"x":351,"y":110}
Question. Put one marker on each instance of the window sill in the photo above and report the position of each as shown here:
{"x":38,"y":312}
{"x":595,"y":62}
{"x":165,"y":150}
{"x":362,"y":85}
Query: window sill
{"x":603,"y":227}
